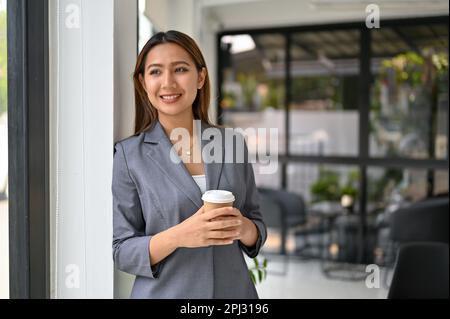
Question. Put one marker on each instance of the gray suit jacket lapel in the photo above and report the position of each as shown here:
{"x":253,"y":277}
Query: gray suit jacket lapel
{"x":178,"y":174}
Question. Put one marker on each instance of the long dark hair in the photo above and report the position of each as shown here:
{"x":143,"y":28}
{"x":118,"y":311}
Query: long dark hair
{"x":146,"y":113}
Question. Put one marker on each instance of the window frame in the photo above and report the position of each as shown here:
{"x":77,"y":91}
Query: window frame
{"x":28,"y":149}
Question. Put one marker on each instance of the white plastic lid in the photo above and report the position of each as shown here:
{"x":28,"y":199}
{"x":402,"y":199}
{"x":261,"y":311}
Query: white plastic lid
{"x":218,"y":196}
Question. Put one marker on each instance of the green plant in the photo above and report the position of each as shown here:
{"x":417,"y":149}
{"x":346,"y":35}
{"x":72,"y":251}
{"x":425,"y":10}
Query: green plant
{"x":324,"y":88}
{"x":349,"y":190}
{"x":228,"y":100}
{"x":274,"y":97}
{"x":259,"y":271}
{"x":248,"y":84}
{"x":326,"y":188}
{"x":350,"y":187}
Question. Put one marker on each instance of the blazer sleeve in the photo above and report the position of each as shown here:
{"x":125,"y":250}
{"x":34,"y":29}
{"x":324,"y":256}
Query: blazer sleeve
{"x":130,"y":243}
{"x":251,"y":208}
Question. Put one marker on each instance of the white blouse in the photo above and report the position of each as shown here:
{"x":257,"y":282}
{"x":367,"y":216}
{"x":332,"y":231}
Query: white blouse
{"x":201,"y":182}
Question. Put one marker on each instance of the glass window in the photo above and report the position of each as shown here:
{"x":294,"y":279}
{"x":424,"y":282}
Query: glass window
{"x":440,"y":182}
{"x":409,"y":103}
{"x":408,"y":114}
{"x":324,"y":109}
{"x":394,"y":186}
{"x":253,"y":75}
{"x":4,"y":233}
{"x":323,"y":183}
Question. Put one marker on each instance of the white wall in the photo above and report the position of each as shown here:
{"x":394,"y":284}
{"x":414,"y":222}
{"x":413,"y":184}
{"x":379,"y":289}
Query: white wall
{"x":157,"y":12}
{"x":172,"y":14}
{"x":81,"y":131}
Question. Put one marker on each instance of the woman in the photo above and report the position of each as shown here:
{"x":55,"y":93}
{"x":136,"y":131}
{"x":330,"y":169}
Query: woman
{"x":161,"y":232}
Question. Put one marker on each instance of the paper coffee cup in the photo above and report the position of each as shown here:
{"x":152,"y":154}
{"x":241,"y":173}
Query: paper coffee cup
{"x":217,"y":198}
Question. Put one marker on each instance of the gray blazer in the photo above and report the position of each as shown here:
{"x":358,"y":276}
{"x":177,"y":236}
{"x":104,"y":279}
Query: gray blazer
{"x":151,"y":194}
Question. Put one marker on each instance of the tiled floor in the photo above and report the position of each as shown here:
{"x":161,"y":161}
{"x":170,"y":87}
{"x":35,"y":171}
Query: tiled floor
{"x":304,"y":279}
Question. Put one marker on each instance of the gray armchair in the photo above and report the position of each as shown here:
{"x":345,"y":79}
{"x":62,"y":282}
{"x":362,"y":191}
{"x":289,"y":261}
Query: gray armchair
{"x":283,"y":210}
{"x":421,"y":272}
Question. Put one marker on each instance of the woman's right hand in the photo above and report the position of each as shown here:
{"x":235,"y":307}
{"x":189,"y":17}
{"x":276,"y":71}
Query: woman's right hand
{"x":204,"y":229}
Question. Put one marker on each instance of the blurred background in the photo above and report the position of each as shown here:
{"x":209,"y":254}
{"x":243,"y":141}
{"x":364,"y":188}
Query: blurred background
{"x":362,"y":115}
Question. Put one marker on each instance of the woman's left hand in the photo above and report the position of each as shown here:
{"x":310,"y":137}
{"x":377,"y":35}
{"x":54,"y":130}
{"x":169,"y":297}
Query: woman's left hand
{"x":248,"y":234}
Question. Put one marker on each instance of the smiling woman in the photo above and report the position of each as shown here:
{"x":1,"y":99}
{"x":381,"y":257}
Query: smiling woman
{"x":162,"y":233}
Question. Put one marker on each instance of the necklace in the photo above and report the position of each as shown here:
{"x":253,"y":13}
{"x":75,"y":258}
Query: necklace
{"x":189,"y":151}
